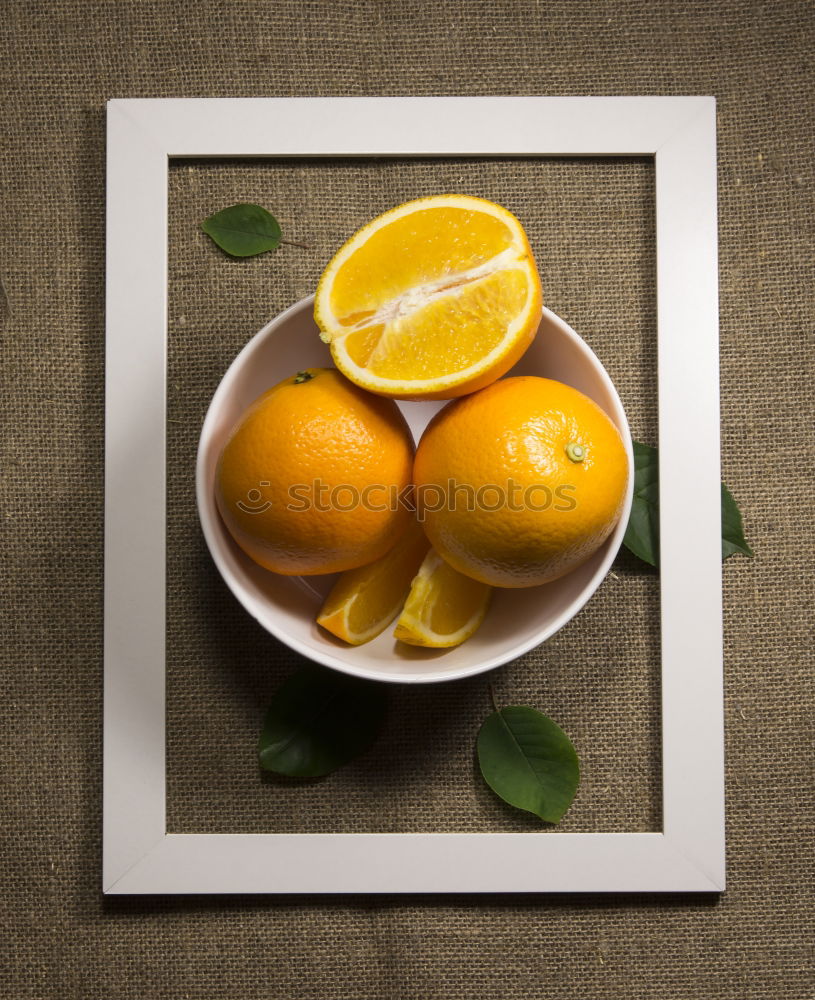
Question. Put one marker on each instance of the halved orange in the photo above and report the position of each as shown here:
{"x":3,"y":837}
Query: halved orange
{"x":444,"y":607}
{"x":434,"y":299}
{"x":363,"y":602}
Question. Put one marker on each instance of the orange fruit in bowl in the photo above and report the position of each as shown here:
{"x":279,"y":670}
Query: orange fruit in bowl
{"x":313,"y":477}
{"x":520,"y":483}
{"x":434,"y":299}
{"x":444,"y":607}
{"x":364,"y":601}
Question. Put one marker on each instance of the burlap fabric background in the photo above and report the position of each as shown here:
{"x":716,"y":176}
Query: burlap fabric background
{"x":591,"y":225}
{"x":599,"y":677}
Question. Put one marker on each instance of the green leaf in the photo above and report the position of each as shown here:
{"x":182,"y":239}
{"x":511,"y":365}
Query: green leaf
{"x":243,"y":230}
{"x":642,"y":532}
{"x":528,"y":761}
{"x":318,"y":720}
{"x":733,"y":540}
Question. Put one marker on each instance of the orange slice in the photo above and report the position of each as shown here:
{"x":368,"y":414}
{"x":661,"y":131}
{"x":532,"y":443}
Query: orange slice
{"x":444,"y":607}
{"x":434,"y":299}
{"x":363,"y":602}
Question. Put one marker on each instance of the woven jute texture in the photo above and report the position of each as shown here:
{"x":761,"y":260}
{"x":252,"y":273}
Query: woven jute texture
{"x":591,"y":225}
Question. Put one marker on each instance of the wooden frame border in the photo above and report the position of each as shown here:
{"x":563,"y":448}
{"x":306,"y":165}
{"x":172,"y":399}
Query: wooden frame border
{"x":139,"y":855}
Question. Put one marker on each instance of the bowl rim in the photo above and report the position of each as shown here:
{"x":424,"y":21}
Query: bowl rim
{"x":326,"y":658}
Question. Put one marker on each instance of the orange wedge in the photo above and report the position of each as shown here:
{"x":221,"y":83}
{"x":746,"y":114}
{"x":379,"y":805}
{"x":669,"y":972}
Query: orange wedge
{"x":363,"y":602}
{"x":434,"y":299}
{"x":444,"y":607}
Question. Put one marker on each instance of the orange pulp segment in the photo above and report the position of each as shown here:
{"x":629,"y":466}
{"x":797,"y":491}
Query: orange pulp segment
{"x":364,"y":601}
{"x":444,"y":607}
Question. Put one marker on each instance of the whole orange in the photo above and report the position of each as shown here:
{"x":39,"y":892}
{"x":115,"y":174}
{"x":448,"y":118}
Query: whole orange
{"x":309,"y":481}
{"x":521,"y":482}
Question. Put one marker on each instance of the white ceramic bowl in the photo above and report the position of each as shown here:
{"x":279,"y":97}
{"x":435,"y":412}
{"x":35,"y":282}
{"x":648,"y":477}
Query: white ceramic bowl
{"x":286,"y":606}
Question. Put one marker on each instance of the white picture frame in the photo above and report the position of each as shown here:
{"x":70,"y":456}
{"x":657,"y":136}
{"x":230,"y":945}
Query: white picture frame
{"x":139,"y":855}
